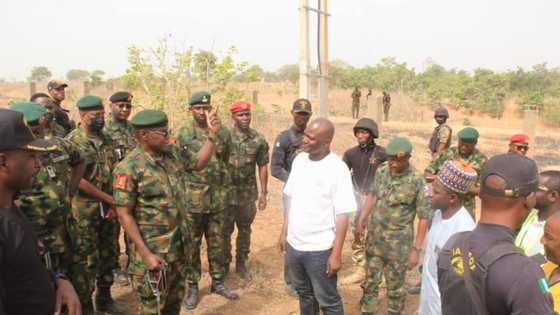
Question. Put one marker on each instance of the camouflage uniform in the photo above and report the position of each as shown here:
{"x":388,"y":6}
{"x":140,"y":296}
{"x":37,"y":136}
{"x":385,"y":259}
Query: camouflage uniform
{"x":86,"y":223}
{"x":476,"y":160}
{"x":441,"y":134}
{"x":206,"y":195}
{"x":47,"y":203}
{"x":122,"y":135}
{"x":248,"y":149}
{"x":53,"y":129}
{"x":390,"y":234}
{"x":356,"y":94}
{"x":154,"y":189}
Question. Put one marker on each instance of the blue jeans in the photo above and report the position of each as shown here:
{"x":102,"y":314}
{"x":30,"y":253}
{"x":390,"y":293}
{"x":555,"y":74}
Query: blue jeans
{"x":315,"y":289}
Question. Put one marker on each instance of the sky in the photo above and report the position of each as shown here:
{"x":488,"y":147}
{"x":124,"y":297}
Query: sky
{"x":68,"y":34}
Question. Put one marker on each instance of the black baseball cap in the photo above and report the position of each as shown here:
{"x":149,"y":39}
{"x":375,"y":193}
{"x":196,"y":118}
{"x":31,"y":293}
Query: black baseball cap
{"x":519,"y":172}
{"x":15,"y":133}
{"x":302,"y":105}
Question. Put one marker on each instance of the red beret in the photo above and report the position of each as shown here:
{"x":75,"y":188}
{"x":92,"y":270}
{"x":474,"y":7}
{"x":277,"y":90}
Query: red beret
{"x":239,"y":107}
{"x":521,"y":138}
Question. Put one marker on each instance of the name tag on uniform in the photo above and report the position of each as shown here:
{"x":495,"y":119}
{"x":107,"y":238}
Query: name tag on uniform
{"x":51,"y":171}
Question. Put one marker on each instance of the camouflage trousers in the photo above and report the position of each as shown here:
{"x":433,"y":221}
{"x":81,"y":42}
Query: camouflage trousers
{"x":386,"y":254}
{"x":170,"y":299}
{"x":107,"y":257}
{"x":241,"y":216}
{"x":211,"y":226}
{"x":85,"y":228}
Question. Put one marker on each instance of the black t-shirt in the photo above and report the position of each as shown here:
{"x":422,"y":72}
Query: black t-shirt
{"x":363,"y":162}
{"x":512,"y":284}
{"x":26,"y":287}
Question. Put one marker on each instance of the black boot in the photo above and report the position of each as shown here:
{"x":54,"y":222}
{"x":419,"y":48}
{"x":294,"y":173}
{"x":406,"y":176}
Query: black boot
{"x":105,"y":303}
{"x":191,"y":300}
{"x":241,"y":270}
{"x":218,"y":287}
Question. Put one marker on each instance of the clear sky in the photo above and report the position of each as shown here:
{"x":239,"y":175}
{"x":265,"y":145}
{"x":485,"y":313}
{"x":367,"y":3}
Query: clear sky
{"x":66,"y":34}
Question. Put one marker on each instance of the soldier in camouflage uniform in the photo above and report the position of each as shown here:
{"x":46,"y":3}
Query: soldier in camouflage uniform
{"x":150,"y":198}
{"x":441,"y":137}
{"x":466,"y":152}
{"x":120,"y":130}
{"x":249,"y":150}
{"x":47,"y":202}
{"x":52,"y":128}
{"x":206,"y":199}
{"x":92,"y":208}
{"x":398,"y":195}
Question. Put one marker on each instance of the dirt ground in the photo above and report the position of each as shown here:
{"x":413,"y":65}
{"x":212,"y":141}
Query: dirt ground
{"x":265,"y":293}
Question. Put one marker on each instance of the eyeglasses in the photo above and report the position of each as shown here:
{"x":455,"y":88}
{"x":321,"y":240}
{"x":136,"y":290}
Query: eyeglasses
{"x":522,"y":147}
{"x":164,"y":133}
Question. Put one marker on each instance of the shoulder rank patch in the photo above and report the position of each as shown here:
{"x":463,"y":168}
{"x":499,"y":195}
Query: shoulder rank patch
{"x":120,"y":181}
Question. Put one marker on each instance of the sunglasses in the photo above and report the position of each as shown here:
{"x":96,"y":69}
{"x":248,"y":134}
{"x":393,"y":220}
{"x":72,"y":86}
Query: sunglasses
{"x":522,"y":147}
{"x":164,"y":133}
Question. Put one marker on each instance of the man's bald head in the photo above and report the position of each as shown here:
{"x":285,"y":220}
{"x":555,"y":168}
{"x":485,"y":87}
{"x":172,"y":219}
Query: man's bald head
{"x":324,"y":129}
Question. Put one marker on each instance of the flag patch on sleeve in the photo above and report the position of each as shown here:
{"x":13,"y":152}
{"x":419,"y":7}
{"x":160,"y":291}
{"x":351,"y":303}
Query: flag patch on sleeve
{"x":120,"y":182}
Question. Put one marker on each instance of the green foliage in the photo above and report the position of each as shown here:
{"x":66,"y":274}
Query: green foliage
{"x":204,"y":65}
{"x":289,"y":73}
{"x":77,"y":75}
{"x":96,"y":77}
{"x":467,"y":122}
{"x":40,"y":73}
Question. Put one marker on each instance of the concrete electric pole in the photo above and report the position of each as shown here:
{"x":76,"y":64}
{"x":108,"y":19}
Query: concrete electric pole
{"x":304,"y":49}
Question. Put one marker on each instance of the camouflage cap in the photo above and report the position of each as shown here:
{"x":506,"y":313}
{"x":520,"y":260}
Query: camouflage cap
{"x":399,"y":147}
{"x":31,"y":111}
{"x":149,"y":118}
{"x":201,"y":97}
{"x":89,"y":102}
{"x":121,"y":97}
{"x":301,"y":105}
{"x":469,"y":134}
{"x":54,"y":85}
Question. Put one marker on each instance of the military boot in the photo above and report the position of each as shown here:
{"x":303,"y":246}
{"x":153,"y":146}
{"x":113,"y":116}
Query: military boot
{"x":242,"y":270}
{"x":218,"y":287}
{"x":191,"y":300}
{"x":105,"y":303}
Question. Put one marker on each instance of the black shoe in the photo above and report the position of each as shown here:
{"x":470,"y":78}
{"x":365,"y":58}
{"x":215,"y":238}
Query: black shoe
{"x":218,"y":287}
{"x":191,"y":299}
{"x":242,"y":271}
{"x":415,"y":290}
{"x":121,"y":278}
{"x":105,"y":303}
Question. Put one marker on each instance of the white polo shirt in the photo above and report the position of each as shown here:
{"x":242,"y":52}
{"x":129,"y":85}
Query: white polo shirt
{"x":319,"y":191}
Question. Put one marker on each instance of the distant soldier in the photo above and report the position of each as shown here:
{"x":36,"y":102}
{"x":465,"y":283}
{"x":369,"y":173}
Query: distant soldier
{"x":93,"y":216}
{"x":52,"y":128}
{"x":249,"y":151}
{"x":441,"y":137}
{"x":519,"y":144}
{"x":396,"y":196}
{"x":149,"y":197}
{"x":120,"y":130}
{"x":386,"y":104}
{"x":363,"y":161}
{"x":47,"y":202}
{"x":356,"y":94}
{"x":206,"y":199}
{"x":466,"y":152}
{"x":57,"y":91}
{"x":287,"y":145}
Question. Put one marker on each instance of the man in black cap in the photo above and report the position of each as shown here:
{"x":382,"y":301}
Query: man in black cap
{"x":287,"y":145}
{"x":57,"y":91}
{"x":26,"y":287}
{"x":362,"y":160}
{"x":120,"y":130}
{"x":482,"y":272}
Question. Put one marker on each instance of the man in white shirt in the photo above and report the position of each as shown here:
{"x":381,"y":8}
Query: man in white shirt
{"x":320,"y":197}
{"x":453,"y":180}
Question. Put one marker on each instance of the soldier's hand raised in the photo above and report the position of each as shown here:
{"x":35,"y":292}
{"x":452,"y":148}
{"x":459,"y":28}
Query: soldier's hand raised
{"x":213,"y":121}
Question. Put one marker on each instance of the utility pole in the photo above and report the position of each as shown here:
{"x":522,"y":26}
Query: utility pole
{"x":323,"y":57}
{"x":304,"y":49}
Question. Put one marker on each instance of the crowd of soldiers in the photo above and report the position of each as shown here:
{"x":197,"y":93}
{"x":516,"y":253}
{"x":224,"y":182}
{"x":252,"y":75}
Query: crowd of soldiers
{"x":168,"y":192}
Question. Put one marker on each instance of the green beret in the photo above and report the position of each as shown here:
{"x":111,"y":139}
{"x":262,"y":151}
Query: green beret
{"x":31,"y":111}
{"x":202,"y":97}
{"x":90,"y":102}
{"x":468,"y":133}
{"x":149,"y":118}
{"x":398,"y":146}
